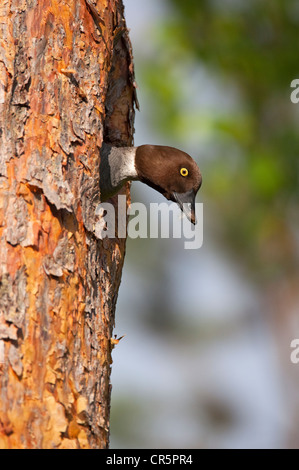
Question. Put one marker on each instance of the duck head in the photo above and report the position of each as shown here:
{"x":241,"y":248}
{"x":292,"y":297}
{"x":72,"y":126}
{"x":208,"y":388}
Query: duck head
{"x":172,"y":172}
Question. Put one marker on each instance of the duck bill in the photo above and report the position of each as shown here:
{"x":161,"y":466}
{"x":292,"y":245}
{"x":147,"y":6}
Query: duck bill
{"x":186,"y":202}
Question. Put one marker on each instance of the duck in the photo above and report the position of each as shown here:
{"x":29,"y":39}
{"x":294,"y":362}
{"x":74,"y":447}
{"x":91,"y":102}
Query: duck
{"x":168,"y":170}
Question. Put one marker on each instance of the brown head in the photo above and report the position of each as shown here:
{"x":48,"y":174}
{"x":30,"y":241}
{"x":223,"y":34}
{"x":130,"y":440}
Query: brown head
{"x":172,"y":172}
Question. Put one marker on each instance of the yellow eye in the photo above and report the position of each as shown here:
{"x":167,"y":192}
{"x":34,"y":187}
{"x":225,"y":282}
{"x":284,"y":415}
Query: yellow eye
{"x":184,"y":171}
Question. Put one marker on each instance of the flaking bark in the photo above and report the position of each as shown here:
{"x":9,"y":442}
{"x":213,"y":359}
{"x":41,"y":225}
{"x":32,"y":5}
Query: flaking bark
{"x":66,"y":84}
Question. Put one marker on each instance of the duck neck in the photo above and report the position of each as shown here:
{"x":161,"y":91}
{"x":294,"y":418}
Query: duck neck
{"x":117,"y":166}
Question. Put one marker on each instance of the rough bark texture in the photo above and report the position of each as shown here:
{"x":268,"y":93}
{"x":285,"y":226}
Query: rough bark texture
{"x":66,"y":84}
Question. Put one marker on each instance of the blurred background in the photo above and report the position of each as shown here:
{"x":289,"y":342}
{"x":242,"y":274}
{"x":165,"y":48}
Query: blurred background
{"x":205,"y":362}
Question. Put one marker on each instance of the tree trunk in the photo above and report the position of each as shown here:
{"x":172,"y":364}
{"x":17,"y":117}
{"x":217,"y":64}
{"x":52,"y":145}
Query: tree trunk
{"x":66,"y":85}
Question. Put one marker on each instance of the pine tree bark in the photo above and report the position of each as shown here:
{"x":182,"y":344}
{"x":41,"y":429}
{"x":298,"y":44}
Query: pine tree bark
{"x":66,"y":84}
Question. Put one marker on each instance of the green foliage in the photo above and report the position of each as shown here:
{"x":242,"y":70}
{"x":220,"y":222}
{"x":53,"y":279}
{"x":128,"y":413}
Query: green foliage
{"x":243,"y":57}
